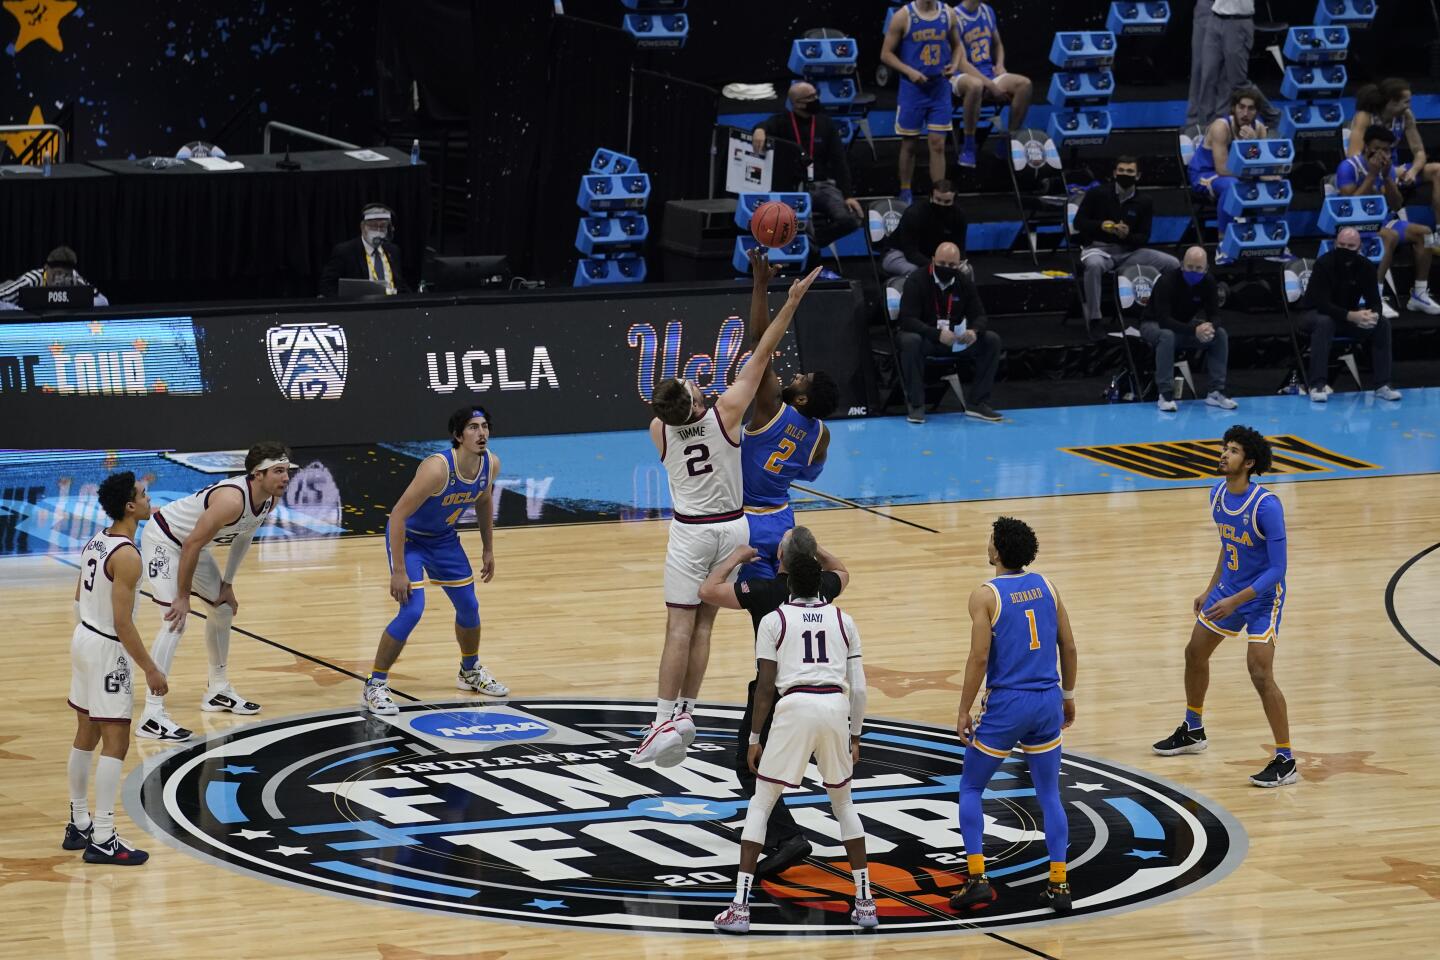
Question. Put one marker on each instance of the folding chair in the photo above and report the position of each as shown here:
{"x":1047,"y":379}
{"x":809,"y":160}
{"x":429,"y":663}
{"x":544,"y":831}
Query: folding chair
{"x":1297,"y":278}
{"x":881,"y":219}
{"x":1133,"y":285}
{"x":1035,"y":174}
{"x":1203,"y":212}
{"x":946,"y":364}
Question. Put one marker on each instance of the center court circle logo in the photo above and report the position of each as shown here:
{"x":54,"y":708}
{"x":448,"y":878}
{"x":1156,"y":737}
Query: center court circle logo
{"x":500,"y":825}
{"x":473,"y":725}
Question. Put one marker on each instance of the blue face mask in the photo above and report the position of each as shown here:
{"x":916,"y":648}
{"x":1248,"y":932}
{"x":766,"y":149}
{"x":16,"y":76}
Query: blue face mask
{"x":1193,"y":277}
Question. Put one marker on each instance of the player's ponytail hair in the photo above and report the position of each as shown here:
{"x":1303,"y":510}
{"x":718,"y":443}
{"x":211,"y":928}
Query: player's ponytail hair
{"x":804,"y":576}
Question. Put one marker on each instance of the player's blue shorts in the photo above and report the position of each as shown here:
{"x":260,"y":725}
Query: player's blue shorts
{"x":927,"y":107}
{"x":766,"y":529}
{"x":441,"y":558}
{"x":1260,"y":618}
{"x":1031,"y":718}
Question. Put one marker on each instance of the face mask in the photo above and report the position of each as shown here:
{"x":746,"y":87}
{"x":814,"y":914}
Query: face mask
{"x":1125,"y":181}
{"x":945,"y":275}
{"x":1193,"y":277}
{"x":372,"y":238}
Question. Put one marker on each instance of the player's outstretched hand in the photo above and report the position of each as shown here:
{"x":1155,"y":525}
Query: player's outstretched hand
{"x":156,"y":681}
{"x":400,"y":586}
{"x":800,"y":287}
{"x":760,"y":266}
{"x":487,"y":566}
{"x":753,"y":757}
{"x":1069,"y":708}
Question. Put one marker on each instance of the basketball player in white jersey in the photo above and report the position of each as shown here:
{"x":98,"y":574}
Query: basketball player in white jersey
{"x":700,"y":448}
{"x":104,"y":646}
{"x":176,"y":549}
{"x":808,"y":651}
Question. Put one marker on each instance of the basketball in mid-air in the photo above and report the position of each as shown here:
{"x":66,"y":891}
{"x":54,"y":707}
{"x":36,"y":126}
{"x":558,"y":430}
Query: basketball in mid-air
{"x":773,"y":224}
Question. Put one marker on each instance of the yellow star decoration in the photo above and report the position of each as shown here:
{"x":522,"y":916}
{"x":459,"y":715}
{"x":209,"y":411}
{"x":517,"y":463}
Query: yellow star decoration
{"x":902,"y":683}
{"x":14,"y":870}
{"x":40,"y":20}
{"x":7,"y":755}
{"x":19,"y":142}
{"x":1424,"y":877}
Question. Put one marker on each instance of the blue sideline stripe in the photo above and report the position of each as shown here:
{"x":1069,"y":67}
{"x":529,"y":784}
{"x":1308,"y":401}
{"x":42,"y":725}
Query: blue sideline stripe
{"x":390,"y":879}
{"x":383,"y":751}
{"x":1142,"y":822}
{"x":220,"y":797}
{"x":1006,"y":871}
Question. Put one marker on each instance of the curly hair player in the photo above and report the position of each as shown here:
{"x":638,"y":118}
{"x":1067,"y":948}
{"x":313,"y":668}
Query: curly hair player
{"x":1246,"y":593}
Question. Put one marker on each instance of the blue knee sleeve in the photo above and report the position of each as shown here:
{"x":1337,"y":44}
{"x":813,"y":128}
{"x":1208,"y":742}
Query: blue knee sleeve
{"x":1045,"y":775}
{"x":409,"y":615}
{"x":467,"y":608}
{"x":979,"y":768}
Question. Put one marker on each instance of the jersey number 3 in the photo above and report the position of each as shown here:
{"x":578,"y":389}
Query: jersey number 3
{"x":1234,"y":562}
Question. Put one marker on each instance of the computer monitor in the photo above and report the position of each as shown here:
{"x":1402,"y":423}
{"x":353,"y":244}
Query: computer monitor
{"x":43,"y":299}
{"x":359,"y":289}
{"x":457,"y":274}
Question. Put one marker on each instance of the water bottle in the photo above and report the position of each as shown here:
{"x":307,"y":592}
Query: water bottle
{"x":1112,"y":393}
{"x":414,"y":153}
{"x":1292,"y":386}
{"x":47,"y":166}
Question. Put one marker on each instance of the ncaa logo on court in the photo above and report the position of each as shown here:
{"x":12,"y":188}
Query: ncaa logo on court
{"x":308,"y":360}
{"x":556,"y":827}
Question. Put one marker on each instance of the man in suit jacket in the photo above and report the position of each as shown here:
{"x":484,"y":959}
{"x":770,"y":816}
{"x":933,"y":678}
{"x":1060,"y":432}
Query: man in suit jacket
{"x":370,"y":256}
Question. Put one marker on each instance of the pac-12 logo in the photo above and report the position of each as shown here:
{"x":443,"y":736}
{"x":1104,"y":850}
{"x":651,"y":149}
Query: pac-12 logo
{"x":309,"y":360}
{"x":530,"y":811}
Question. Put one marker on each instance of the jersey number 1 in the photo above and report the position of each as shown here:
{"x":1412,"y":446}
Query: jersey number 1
{"x":1034,"y":634}
{"x":820,"y":641}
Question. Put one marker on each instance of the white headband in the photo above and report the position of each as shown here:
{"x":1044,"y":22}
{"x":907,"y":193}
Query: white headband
{"x":264,"y":465}
{"x":375,"y":213}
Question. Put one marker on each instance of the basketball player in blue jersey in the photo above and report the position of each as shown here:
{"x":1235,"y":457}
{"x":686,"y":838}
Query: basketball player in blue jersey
{"x":1018,"y":628}
{"x":1246,"y":594}
{"x":421,"y":542}
{"x":1209,"y":167}
{"x":982,"y":75}
{"x":923,"y":47}
{"x":1387,"y":103}
{"x":786,"y":439}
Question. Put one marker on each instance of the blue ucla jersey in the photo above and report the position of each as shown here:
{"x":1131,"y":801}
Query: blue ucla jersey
{"x":1246,"y":523}
{"x":926,"y":44}
{"x":1202,"y":161}
{"x":440,"y":512}
{"x":1023,"y":644}
{"x":777,"y":454}
{"x":977,"y":36}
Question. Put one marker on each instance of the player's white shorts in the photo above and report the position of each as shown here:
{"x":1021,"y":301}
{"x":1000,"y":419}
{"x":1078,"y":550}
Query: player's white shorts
{"x":100,"y":677}
{"x":806,"y":724}
{"x":694,"y":550}
{"x":161,"y":558}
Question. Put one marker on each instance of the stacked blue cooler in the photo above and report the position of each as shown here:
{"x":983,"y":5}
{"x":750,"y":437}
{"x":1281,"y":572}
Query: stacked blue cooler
{"x":611,"y":236}
{"x":657,"y":24}
{"x":1259,"y":205}
{"x":1081,"y":88}
{"x":1314,"y":80}
{"x":793,"y":255}
{"x":829,"y":63}
{"x":1366,"y":213}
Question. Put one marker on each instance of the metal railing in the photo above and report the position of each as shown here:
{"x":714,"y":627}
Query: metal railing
{"x":38,"y":128}
{"x":307,"y":134}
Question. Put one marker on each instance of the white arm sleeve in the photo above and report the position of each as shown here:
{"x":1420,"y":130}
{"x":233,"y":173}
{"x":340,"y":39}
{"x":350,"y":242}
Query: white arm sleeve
{"x":854,"y":675}
{"x":238,"y":548}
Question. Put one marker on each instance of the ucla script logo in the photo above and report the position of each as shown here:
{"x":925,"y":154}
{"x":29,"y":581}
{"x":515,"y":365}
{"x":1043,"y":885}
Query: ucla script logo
{"x":529,"y":811}
{"x":309,"y":360}
{"x":661,"y":358}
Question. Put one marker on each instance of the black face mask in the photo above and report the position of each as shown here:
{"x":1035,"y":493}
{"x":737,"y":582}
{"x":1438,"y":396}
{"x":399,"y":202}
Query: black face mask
{"x":946,"y":275}
{"x":1125,"y":181}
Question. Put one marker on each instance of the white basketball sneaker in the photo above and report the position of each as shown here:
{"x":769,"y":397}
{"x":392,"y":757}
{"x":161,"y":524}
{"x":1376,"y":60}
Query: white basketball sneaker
{"x":661,"y":740}
{"x":481,"y":681}
{"x":735,"y":919}
{"x":221,"y":699}
{"x":865,"y":914}
{"x":157,"y":725}
{"x":685,"y":726}
{"x":376,"y":699}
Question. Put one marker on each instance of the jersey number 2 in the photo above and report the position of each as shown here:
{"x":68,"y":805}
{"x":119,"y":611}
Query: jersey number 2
{"x":1034,"y":634}
{"x":696,"y":455}
{"x":820,"y":644}
{"x":787,"y":447}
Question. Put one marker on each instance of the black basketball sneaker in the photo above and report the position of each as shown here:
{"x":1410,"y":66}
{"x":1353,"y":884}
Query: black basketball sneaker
{"x":1056,"y":896}
{"x":977,"y":894}
{"x":1278,"y":772}
{"x":1183,"y":740}
{"x":75,"y":838}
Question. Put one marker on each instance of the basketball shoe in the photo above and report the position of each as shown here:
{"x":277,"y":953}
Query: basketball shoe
{"x":115,"y":851}
{"x":1278,"y":772}
{"x":977,"y":894}
{"x":481,"y":681}
{"x":1183,"y":740}
{"x":662,"y":742}
{"x":376,"y":699}
{"x":1056,"y":896}
{"x":735,"y":919}
{"x":159,"y":726}
{"x":75,"y":838}
{"x":221,"y":699}
{"x":685,"y":726}
{"x":865,"y":914}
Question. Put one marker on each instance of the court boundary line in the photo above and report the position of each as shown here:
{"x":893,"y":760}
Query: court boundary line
{"x":1390,"y":602}
{"x":860,"y":506}
{"x":265,"y":640}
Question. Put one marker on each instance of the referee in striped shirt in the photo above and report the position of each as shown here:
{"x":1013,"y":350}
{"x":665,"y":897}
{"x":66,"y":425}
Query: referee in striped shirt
{"x":59,"y":271}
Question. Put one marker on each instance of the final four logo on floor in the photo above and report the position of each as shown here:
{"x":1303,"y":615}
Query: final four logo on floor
{"x":529,"y":811}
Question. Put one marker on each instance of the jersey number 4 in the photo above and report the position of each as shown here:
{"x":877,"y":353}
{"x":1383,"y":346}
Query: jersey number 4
{"x":819,"y":640}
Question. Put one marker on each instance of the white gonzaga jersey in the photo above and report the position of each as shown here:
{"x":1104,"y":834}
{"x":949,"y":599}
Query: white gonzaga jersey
{"x":178,"y":519}
{"x":97,"y":583}
{"x":811,"y":643}
{"x":704,"y":468}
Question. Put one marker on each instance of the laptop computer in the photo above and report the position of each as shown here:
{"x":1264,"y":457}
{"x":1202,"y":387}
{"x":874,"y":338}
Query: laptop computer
{"x":354,"y":289}
{"x":43,"y":299}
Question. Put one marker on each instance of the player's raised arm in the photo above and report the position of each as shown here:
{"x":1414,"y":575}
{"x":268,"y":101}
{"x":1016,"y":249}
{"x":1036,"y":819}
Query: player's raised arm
{"x":430,"y":478}
{"x":767,"y":395}
{"x":732,"y":403}
{"x":717,"y":589}
{"x":223,"y":505}
{"x":982,"y":615}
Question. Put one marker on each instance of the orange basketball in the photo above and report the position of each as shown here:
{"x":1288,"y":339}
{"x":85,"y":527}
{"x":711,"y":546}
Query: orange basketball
{"x":773,"y":224}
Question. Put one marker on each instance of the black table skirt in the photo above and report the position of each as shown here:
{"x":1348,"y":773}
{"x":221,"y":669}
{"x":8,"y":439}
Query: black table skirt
{"x":191,"y":234}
